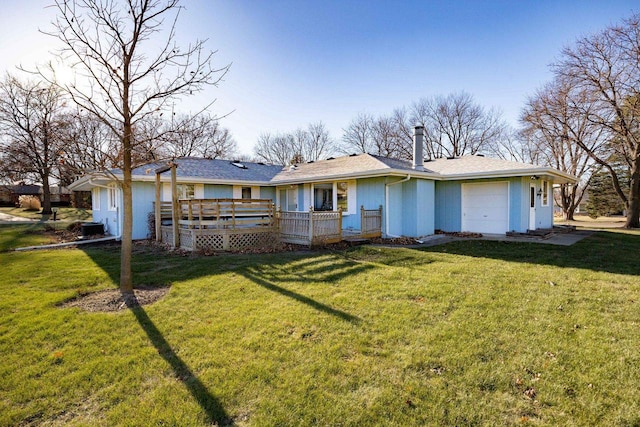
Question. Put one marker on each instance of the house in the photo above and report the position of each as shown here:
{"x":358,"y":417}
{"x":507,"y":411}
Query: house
{"x":10,"y":194}
{"x":469,"y":193}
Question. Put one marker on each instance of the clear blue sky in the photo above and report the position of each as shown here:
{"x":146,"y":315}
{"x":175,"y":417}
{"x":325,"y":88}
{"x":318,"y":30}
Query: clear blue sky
{"x":296,"y":62}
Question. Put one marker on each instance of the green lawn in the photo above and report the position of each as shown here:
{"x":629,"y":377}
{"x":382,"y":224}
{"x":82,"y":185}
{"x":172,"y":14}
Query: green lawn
{"x":64,"y":214}
{"x":473,"y":332}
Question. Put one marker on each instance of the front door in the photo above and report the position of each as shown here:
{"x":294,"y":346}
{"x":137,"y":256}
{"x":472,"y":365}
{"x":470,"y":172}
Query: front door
{"x":532,"y":207}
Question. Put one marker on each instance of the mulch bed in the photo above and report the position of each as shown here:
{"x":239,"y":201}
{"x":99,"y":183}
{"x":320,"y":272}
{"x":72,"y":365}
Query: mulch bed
{"x":113,"y":300}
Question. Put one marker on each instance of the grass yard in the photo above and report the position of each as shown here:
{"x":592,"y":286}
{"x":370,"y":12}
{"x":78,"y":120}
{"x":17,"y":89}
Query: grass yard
{"x":469,"y":333}
{"x":64,"y":214}
{"x":20,"y":235}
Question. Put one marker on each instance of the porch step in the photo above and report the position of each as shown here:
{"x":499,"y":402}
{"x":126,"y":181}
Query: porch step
{"x":541,"y":232}
{"x":356,"y":241}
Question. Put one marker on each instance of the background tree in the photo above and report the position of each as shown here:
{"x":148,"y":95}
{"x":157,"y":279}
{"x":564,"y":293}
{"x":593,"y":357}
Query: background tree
{"x":128,"y":68}
{"x":357,"y":136}
{"x":200,"y":136}
{"x":604,"y":70}
{"x":302,"y":145}
{"x":603,"y":199}
{"x":558,"y":134}
{"x":33,"y":123}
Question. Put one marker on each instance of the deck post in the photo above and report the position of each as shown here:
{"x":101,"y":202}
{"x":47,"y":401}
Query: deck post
{"x":158,"y":211}
{"x":175,"y":212}
{"x":310,"y":225}
{"x":340,"y":222}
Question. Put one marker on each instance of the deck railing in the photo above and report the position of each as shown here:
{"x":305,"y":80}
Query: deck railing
{"x":370,"y":222}
{"x":310,"y":228}
{"x":226,"y":213}
{"x":220,"y":223}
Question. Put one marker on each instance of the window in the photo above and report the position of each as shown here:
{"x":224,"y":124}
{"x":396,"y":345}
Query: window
{"x":246,"y":192}
{"x":545,"y":193}
{"x":95,"y":199}
{"x":186,"y":191}
{"x":112,"y":200}
{"x":342,"y":191}
{"x":323,"y":197}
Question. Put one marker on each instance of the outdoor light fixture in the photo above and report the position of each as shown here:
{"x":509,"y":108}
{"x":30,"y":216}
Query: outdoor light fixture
{"x":539,"y":192}
{"x":535,"y":177}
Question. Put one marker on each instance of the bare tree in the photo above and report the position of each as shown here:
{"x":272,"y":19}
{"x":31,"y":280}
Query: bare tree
{"x":129,"y":67}
{"x":200,"y":135}
{"x":33,"y":123}
{"x":455,"y":125}
{"x":604,"y":72}
{"x":357,"y":137}
{"x":559,"y":134}
{"x":301,"y":145}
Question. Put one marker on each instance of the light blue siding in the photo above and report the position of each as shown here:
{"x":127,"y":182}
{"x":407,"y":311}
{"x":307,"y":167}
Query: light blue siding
{"x":144,"y":196}
{"x":393,"y":216}
{"x":519,"y":204}
{"x":448,"y":200}
{"x":448,"y":206}
{"x":268,"y":193}
{"x":370,"y":194}
{"x":218,"y":191}
{"x":104,"y":216}
{"x":417,"y":208}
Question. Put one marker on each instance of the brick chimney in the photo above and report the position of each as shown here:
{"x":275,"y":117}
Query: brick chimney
{"x":418,"y":154}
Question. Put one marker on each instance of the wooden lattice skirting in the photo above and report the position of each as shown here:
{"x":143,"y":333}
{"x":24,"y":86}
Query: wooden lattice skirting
{"x":221,"y":239}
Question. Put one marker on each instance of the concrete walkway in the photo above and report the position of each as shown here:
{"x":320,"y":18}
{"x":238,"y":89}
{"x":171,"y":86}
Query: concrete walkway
{"x":560,"y":239}
{"x":10,"y":219}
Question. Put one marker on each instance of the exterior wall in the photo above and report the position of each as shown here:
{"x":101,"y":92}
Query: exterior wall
{"x":144,"y":194}
{"x":448,"y":201}
{"x":105,"y":216}
{"x":370,"y":194}
{"x":448,"y":206}
{"x":392,"y":224}
{"x":418,"y":213}
{"x":218,"y":191}
{"x":268,"y":193}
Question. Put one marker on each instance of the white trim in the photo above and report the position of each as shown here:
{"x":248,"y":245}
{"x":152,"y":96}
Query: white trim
{"x":112,"y":198}
{"x":95,"y":198}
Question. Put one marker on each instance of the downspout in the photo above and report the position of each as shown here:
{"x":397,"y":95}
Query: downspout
{"x":386,"y":201}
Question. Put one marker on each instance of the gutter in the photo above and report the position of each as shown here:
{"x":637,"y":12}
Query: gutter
{"x":386,"y":201}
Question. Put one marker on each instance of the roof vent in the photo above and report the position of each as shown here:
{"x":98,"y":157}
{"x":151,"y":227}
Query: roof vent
{"x":261,"y":163}
{"x":237,"y":164}
{"x":451,"y":158}
{"x":293,"y":167}
{"x":310,"y":161}
{"x":479,"y":155}
{"x":330,"y":158}
{"x":353,"y":155}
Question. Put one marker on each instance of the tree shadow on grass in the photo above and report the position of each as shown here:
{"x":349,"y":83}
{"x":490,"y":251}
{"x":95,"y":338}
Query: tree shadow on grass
{"x":209,"y":404}
{"x":608,"y":252}
{"x":268,"y":281}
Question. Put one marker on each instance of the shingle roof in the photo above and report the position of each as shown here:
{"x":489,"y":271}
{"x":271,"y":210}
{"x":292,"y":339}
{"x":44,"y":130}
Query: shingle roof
{"x":346,"y":165}
{"x":215,"y":169}
{"x":475,"y":165}
{"x":354,"y":166}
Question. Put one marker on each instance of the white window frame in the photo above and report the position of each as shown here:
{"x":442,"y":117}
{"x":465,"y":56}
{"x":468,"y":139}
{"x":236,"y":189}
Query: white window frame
{"x":112,"y":197}
{"x":95,"y":199}
{"x":351,"y":195}
{"x":545,"y":192}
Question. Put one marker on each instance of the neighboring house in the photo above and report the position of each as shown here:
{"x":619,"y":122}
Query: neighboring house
{"x":469,"y":193}
{"x":10,"y":194}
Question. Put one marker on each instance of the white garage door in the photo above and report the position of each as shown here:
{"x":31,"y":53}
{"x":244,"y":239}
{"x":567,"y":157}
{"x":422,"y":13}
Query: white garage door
{"x":485,"y":207}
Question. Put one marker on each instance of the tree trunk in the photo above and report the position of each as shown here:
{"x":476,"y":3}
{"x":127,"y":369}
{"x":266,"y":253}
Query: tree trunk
{"x":633,"y":207}
{"x":46,"y":195}
{"x":126,"y":282}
